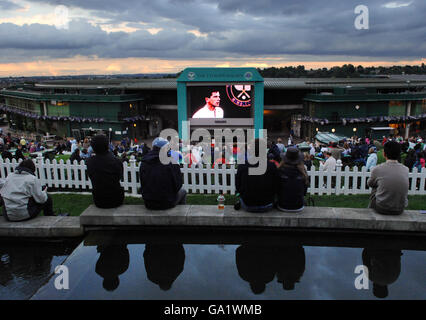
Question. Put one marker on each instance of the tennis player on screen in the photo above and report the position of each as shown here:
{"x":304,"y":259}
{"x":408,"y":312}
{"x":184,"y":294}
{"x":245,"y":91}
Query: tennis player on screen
{"x":211,"y":109}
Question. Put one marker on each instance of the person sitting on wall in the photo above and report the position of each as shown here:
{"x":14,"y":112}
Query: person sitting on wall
{"x":105,"y":171}
{"x":161,"y":184}
{"x":293,"y":181}
{"x":22,"y":195}
{"x":389,"y":183}
{"x":257,"y":192}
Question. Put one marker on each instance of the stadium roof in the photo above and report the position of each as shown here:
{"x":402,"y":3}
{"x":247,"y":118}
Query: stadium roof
{"x":270,"y":83}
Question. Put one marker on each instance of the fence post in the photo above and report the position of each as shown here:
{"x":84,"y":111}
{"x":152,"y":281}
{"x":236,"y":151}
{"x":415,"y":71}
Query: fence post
{"x":133,"y":170}
{"x":338,"y":177}
{"x":321,"y":179}
{"x":40,"y":166}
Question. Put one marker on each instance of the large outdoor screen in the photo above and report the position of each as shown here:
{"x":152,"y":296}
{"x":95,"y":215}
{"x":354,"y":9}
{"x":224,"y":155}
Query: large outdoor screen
{"x":220,"y":101}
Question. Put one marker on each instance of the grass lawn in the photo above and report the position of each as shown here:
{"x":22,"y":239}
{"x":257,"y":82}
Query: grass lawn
{"x":75,"y":204}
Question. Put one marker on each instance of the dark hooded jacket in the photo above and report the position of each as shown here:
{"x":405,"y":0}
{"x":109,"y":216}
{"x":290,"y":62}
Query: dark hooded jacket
{"x":292,"y":188}
{"x":257,"y":190}
{"x":160,"y":183}
{"x":105,"y":171}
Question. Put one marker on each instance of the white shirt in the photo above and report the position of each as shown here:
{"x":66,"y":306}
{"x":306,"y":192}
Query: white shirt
{"x":205,"y":112}
{"x":18,"y":188}
{"x":371,"y":161}
{"x":330,"y":164}
{"x":73,"y":147}
{"x":312,"y":150}
{"x":281,"y":147}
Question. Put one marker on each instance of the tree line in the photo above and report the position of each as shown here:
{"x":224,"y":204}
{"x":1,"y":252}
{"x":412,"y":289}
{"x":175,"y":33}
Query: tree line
{"x":345,"y":71}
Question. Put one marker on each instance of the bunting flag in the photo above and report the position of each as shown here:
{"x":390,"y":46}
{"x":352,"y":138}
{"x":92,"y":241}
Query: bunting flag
{"x":388,"y":119}
{"x":133,"y":119}
{"x":36,"y":116}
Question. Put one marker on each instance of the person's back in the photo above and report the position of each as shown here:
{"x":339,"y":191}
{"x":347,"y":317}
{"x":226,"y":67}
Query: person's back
{"x":22,"y":194}
{"x":75,"y":156}
{"x":6,"y":154}
{"x":292,"y":181}
{"x":161,"y":184}
{"x":280,"y":145}
{"x":275,"y":151}
{"x":389,"y":183}
{"x":372,"y":159}
{"x":363,"y":148}
{"x":330,"y":163}
{"x":336,"y":152}
{"x":105,"y":172}
{"x":257,"y":190}
{"x":410,"y":160}
{"x":19,"y":154}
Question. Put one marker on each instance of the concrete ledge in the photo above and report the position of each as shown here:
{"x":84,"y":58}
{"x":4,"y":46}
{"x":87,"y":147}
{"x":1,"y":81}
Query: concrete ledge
{"x":42,"y":227}
{"x":208,"y":216}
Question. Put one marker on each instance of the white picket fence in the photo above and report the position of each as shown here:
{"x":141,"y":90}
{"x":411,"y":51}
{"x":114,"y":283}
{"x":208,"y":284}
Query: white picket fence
{"x":67,"y":175}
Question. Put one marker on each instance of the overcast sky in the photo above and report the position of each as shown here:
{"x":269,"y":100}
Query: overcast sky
{"x":139,"y":36}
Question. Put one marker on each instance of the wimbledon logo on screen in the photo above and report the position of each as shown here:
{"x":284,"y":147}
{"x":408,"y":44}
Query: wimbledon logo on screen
{"x":240,"y":95}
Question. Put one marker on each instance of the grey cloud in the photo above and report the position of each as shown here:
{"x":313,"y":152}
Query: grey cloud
{"x":8,"y":5}
{"x":234,"y":29}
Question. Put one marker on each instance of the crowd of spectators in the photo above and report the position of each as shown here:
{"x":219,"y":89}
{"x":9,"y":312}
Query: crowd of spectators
{"x":283,"y":185}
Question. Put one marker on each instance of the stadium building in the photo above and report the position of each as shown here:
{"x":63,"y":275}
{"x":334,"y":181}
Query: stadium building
{"x":141,"y":108}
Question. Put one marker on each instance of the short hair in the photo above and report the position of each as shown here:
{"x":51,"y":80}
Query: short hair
{"x":100,"y":144}
{"x":211,"y":93}
{"x":29,"y":164}
{"x":392,"y":150}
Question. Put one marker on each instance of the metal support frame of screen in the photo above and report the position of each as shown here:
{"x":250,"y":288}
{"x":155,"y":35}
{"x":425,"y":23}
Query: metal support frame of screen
{"x":192,"y":77}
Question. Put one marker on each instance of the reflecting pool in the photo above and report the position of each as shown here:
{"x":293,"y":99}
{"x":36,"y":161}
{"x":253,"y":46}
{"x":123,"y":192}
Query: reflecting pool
{"x":229,"y":265}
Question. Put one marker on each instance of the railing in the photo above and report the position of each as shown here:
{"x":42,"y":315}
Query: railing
{"x":221,"y":178}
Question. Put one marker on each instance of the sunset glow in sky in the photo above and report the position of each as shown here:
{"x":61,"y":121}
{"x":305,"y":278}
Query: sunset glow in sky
{"x":44,"y":37}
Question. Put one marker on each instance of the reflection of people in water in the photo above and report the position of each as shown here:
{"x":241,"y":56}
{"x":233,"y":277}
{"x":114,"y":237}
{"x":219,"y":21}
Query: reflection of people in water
{"x":290,"y":265}
{"x":164,"y":263}
{"x":258,"y":265}
{"x":113,"y":261}
{"x":211,"y":109}
{"x":384,"y":267}
{"x":255,"y":264}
